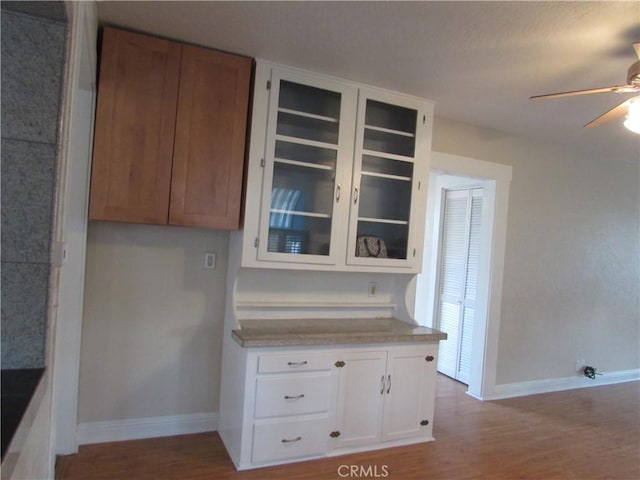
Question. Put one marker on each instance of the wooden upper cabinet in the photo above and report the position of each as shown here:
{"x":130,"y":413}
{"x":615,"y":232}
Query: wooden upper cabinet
{"x":209,"y":139}
{"x":170,"y":133}
{"x":135,"y":120}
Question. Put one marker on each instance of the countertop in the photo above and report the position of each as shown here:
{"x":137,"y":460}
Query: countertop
{"x":334,"y":331}
{"x":18,"y":387}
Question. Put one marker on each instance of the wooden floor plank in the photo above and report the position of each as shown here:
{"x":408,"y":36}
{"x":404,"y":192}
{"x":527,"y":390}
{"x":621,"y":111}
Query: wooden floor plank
{"x":584,"y":434}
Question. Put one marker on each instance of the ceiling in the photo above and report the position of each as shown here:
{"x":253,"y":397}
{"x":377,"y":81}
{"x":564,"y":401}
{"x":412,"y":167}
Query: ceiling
{"x":478,"y":61}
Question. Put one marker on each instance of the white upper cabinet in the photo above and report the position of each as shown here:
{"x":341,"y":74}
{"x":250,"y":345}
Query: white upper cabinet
{"x":307,"y":165}
{"x":337,"y":175}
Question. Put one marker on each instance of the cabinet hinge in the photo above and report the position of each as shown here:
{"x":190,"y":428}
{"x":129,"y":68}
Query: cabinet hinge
{"x":424,"y":422}
{"x":268,"y":84}
{"x":262,"y":162}
{"x":424,"y":119}
{"x":256,"y":242}
{"x":339,"y":364}
{"x":414,"y":253}
{"x":419,"y":185}
{"x":334,"y":434}
{"x":429,"y":358}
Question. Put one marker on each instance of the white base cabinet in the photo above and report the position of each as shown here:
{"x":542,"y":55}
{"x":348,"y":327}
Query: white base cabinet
{"x":385,"y":396}
{"x":302,"y":403}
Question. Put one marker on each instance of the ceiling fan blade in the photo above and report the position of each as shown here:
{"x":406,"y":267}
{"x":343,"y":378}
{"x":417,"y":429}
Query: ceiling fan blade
{"x":616,"y":89}
{"x":615,"y":112}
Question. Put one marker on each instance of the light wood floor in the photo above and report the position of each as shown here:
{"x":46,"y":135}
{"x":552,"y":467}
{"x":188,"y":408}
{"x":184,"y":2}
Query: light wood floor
{"x":590,"y":433}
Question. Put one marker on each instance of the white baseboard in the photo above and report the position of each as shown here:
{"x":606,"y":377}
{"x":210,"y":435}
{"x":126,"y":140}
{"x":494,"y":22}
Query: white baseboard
{"x":508,"y":390}
{"x":136,"y":428}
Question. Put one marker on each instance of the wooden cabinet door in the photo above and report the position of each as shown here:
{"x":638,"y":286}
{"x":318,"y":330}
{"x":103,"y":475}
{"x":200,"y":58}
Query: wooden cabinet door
{"x":208,"y":161}
{"x":135,"y":119}
{"x":361,"y":392}
{"x":408,"y":408}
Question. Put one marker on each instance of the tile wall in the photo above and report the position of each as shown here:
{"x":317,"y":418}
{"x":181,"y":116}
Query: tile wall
{"x":32,"y":63}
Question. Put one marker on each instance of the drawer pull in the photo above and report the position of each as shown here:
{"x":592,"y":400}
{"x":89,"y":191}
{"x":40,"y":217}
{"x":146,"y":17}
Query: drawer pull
{"x":382,"y":385}
{"x":389,"y":383}
{"x":297,"y":364}
{"x":297,"y":397}
{"x":291,"y":440}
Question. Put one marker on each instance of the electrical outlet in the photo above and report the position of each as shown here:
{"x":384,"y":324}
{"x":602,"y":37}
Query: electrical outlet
{"x":210,"y":261}
{"x":373,"y":288}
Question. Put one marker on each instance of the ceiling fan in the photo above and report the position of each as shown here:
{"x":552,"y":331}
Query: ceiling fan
{"x":631,"y":106}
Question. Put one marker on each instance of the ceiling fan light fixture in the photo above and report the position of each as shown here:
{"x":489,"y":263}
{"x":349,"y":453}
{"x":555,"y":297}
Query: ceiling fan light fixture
{"x":632,"y":121}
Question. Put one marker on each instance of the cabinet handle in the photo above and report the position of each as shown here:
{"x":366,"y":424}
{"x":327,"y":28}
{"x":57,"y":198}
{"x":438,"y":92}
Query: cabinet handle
{"x":381,"y":384}
{"x":338,"y":193}
{"x":297,"y":364}
{"x":355,"y":195}
{"x":389,"y":383}
{"x":297,"y":397}
{"x":291,"y":440}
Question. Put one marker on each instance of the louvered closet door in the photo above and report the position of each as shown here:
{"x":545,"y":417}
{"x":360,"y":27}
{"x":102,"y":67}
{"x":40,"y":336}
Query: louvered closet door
{"x":459,"y":258}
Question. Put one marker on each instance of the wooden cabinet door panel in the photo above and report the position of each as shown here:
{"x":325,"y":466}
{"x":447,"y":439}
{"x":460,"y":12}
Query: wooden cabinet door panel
{"x":210,"y":137}
{"x":135,"y":120}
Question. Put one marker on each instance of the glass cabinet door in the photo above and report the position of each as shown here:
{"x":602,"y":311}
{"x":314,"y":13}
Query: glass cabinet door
{"x":303,"y":179}
{"x":384,"y":174}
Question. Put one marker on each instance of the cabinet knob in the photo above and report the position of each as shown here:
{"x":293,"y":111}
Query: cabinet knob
{"x":424,"y":422}
{"x":334,"y":434}
{"x":339,"y":364}
{"x":429,"y":358}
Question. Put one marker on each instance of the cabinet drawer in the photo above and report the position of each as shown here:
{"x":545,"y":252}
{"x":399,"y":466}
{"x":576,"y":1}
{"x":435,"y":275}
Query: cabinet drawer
{"x":290,"y":439}
{"x":292,"y":395}
{"x":295,"y":362}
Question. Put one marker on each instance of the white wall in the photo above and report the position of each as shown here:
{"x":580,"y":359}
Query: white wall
{"x":151,"y":339}
{"x":154,"y":318}
{"x":571,"y":276}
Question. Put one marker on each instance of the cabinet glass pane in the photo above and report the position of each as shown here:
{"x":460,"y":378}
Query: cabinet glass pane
{"x":386,"y":166}
{"x":384,"y":199}
{"x":304,"y":170}
{"x":293,"y":125}
{"x":394,"y":236}
{"x":307,"y":154}
{"x":311,"y":100}
{"x":386,"y":181}
{"x":390,"y":129}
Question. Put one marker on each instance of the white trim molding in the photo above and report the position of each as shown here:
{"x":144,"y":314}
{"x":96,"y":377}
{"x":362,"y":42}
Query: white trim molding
{"x":519,"y":389}
{"x":137,"y":428}
{"x":496,"y":179}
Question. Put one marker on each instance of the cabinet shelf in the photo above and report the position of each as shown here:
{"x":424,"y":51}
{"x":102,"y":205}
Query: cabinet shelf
{"x":299,"y":163}
{"x":307,"y":115}
{"x":391,"y":131}
{"x":387,"y":176}
{"x":389,"y":156}
{"x":302,"y":141}
{"x":302,"y":214}
{"x":383,"y":220}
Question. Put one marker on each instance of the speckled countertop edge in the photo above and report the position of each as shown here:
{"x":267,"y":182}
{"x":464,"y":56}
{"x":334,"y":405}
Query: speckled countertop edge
{"x":274,"y":333}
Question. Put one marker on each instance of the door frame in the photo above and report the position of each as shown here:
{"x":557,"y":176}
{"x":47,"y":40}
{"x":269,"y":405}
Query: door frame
{"x":495,"y":179}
